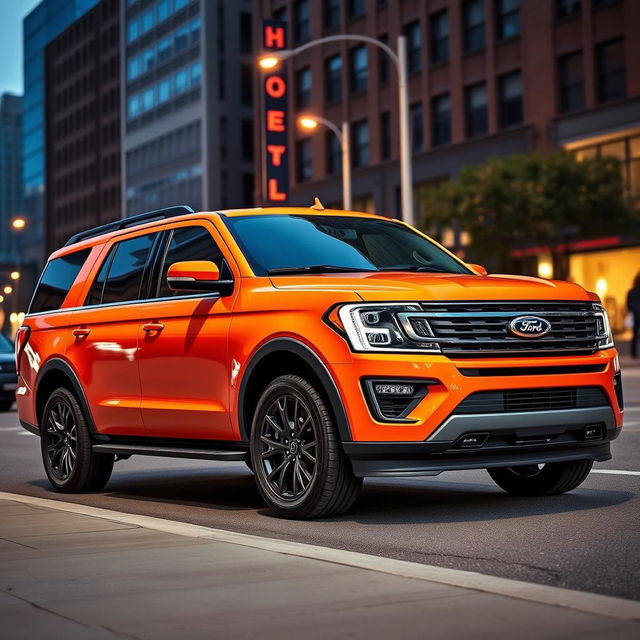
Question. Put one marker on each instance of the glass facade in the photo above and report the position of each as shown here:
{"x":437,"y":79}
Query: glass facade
{"x":42,"y":25}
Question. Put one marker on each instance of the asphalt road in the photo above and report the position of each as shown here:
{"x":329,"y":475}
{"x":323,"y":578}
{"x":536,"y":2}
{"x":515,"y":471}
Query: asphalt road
{"x":587,"y":540}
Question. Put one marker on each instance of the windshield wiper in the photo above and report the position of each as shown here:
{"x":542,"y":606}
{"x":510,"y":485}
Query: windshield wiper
{"x":410,"y":267}
{"x":315,"y":268}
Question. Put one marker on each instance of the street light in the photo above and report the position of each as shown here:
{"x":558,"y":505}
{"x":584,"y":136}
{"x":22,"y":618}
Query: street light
{"x":311,"y":123}
{"x":273,"y":58}
{"x":15,"y":275}
{"x":8,"y":289}
{"x":18,"y":223}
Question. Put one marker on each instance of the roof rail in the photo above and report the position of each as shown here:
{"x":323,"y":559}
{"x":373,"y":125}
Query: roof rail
{"x":131,"y":221}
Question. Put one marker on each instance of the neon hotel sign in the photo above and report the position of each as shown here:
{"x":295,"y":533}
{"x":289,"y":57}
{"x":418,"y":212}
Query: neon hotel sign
{"x":275,"y":118}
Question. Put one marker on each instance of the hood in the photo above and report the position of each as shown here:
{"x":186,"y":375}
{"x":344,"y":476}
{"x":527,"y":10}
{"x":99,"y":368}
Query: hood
{"x":407,"y":286}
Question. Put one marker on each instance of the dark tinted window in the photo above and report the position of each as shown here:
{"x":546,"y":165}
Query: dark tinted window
{"x":367,"y":244}
{"x":57,"y":278}
{"x":126,"y":269}
{"x":190,"y":243}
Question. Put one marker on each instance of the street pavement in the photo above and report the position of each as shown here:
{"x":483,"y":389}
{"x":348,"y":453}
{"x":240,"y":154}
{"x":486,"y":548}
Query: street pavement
{"x":588,"y":540}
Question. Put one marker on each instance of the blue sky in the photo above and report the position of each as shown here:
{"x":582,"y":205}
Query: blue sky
{"x":11,"y":14}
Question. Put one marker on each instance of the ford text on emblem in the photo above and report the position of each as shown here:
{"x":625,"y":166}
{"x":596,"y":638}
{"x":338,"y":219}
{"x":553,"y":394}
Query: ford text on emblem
{"x":529,"y":327}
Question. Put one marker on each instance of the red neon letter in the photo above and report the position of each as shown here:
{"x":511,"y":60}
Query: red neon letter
{"x":275,"y":86}
{"x":274,"y":194}
{"x":274,"y":37}
{"x":276,"y":151}
{"x":275,"y":120}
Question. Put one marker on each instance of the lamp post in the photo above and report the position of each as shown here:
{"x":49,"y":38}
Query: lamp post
{"x":342,"y":133}
{"x":399,"y":59}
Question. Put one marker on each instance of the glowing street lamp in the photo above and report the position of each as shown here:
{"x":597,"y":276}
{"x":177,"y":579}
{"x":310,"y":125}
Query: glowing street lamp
{"x":18,"y":223}
{"x":15,"y":275}
{"x":1,"y":298}
{"x":311,"y":124}
{"x":8,"y":289}
{"x":271,"y":60}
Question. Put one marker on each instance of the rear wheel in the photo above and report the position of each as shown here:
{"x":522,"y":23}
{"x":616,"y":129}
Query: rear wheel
{"x":69,"y":461}
{"x":543,"y":479}
{"x":300,"y":467}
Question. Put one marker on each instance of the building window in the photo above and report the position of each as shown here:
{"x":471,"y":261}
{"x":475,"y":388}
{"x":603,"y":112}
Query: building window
{"x":441,"y":120}
{"x":385,"y":136}
{"x":417,"y":128}
{"x":570,"y":83}
{"x":332,"y":14}
{"x":303,"y":88}
{"x":360,"y":143}
{"x":383,"y":61}
{"x":611,"y":70}
{"x":507,"y":18}
{"x":334,"y":154}
{"x":355,"y":8}
{"x":333,"y":79}
{"x":476,"y":109}
{"x":247,"y":140}
{"x":358,"y":69}
{"x":280,"y":15}
{"x":303,"y":156}
{"x":510,"y":88}
{"x":565,"y":8}
{"x":246,"y":84}
{"x":301,"y":24}
{"x":246,"y":32}
{"x":439,"y":31}
{"x":413,"y":36}
{"x":473,"y":25}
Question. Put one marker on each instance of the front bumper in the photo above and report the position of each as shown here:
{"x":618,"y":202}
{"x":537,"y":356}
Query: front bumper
{"x":519,"y":438}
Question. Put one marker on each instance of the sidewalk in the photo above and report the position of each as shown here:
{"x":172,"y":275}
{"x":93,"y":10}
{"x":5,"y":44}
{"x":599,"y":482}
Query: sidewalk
{"x":73,"y":575}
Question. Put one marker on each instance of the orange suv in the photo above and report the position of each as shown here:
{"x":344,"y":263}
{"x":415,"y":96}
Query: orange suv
{"x":317,"y":346}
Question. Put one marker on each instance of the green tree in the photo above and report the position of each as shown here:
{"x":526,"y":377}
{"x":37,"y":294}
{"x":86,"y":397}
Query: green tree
{"x":532,"y":200}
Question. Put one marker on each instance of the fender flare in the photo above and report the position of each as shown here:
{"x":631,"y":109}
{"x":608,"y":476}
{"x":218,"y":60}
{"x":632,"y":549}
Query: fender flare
{"x":309,"y":356}
{"x":57,"y":364}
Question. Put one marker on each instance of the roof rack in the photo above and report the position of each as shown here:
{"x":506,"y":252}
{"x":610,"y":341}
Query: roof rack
{"x":131,"y":221}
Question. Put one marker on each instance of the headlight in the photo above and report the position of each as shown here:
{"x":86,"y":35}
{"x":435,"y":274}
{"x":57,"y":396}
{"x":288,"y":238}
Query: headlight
{"x":604,"y":336}
{"x":386,"y":327}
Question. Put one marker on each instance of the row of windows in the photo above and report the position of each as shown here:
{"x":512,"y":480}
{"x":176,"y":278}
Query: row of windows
{"x":163,"y":50}
{"x":84,"y":177}
{"x":82,"y":27}
{"x":70,"y":97}
{"x":83,"y":146}
{"x":476,"y":123}
{"x":187,"y":191}
{"x":164,"y":90}
{"x":153,"y":16}
{"x":174,"y":178}
{"x":66,"y":216}
{"x":172,"y":145}
{"x":611,"y":81}
{"x":566,"y":8}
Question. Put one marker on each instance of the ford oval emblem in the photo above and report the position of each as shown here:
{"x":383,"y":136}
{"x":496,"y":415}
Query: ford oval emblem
{"x":529,"y":327}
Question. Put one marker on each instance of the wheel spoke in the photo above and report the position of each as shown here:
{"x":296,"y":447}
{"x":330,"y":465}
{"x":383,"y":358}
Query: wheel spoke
{"x":274,"y":444}
{"x":274,"y":424}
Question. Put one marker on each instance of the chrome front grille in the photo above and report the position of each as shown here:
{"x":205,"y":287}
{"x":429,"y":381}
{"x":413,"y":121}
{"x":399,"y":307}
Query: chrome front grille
{"x":464,"y":330}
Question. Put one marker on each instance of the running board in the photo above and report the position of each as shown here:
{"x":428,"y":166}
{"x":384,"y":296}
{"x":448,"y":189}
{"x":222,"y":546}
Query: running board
{"x":171,"y":452}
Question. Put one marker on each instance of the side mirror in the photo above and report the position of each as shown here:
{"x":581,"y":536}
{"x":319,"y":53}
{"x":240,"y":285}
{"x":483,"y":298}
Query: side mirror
{"x":479,"y":269}
{"x":195,"y":275}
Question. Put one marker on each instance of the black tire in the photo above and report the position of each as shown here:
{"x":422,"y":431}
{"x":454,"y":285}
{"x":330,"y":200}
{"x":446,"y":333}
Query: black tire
{"x":542,"y":480}
{"x":5,"y":405}
{"x":65,"y":442}
{"x":282,"y":468}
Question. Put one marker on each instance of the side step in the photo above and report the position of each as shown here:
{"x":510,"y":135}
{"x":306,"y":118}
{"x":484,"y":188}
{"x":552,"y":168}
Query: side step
{"x":171,"y":452}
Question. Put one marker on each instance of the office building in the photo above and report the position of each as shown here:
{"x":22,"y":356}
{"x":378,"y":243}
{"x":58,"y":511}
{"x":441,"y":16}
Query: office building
{"x":83,"y":151}
{"x":187,"y":69}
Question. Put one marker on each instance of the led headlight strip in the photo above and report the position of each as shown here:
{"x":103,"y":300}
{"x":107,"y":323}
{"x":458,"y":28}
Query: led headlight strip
{"x":604,"y":335}
{"x":377,"y":327}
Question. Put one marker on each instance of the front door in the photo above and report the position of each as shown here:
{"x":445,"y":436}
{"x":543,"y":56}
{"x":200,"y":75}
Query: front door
{"x":184,"y":370}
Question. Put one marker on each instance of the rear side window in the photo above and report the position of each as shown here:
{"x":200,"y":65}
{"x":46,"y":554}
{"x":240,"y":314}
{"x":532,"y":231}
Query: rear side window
{"x":56,"y":280}
{"x":120,"y":277}
{"x":190,"y":243}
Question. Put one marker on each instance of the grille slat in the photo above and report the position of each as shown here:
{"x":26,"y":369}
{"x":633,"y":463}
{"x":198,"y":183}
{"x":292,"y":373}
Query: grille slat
{"x":481,"y":329}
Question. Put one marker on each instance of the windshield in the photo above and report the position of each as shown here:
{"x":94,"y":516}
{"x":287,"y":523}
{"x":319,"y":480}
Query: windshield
{"x":6,"y":346}
{"x":317,"y":244}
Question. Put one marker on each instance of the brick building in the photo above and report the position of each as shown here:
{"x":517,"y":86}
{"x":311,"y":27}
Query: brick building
{"x":82,"y":135}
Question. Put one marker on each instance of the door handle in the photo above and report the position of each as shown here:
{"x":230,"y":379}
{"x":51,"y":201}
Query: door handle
{"x":151,"y":327}
{"x":81,"y":332}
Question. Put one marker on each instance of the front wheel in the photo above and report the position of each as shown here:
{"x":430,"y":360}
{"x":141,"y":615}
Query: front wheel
{"x":300,"y":467}
{"x":542,"y":479}
{"x":65,"y":441}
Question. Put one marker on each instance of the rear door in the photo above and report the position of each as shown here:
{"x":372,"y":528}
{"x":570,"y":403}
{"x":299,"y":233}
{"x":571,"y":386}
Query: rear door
{"x":184,"y":369}
{"x":105,"y":347}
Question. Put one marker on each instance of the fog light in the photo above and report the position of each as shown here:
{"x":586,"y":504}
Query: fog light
{"x":394,"y":389}
{"x":472,"y":440}
{"x":593,"y":432}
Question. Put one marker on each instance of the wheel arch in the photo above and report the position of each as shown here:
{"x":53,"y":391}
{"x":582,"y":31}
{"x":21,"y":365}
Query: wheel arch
{"x":59,"y":373}
{"x":278,"y":357}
